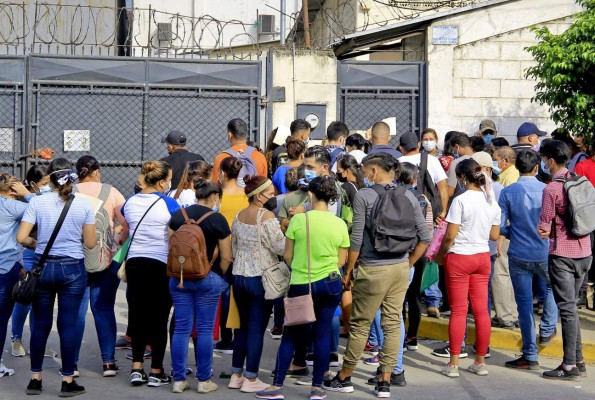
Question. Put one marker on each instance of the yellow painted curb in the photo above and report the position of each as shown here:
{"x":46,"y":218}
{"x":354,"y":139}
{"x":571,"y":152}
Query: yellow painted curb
{"x":505,"y":339}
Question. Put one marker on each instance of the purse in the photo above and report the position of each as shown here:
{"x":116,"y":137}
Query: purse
{"x":24,"y":290}
{"x":275,"y":278}
{"x":299,"y":310}
{"x":122,"y":253}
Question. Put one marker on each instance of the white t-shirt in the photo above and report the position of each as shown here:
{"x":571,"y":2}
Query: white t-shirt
{"x":186,"y":199}
{"x":476,"y":217}
{"x":434,"y":167}
{"x":358,"y":154}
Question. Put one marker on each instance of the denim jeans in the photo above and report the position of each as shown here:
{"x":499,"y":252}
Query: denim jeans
{"x":19,"y":314}
{"x":194,"y":304}
{"x":80,"y":324}
{"x":540,"y":288}
{"x":376,"y":337}
{"x":226,"y":333}
{"x":335,"y":332}
{"x":278,"y":312}
{"x":521,"y":274}
{"x":254,"y":313}
{"x":493,"y":261}
{"x":326,"y":294}
{"x":432,"y":296}
{"x":7,"y":282}
{"x":66,"y":278}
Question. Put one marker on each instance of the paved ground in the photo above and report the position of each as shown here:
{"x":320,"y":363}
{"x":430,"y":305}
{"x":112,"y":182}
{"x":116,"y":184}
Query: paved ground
{"x":422,"y":372}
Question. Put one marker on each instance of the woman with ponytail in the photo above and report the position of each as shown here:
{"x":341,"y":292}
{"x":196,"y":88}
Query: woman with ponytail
{"x":473,"y":219}
{"x":63,"y":274}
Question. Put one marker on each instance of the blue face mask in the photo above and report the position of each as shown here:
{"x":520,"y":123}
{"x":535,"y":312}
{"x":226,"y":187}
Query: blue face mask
{"x":215,"y":209}
{"x":455,"y":155}
{"x":310,"y":175}
{"x":488,"y":138}
{"x":495,"y":168}
{"x":544,"y":168}
{"x":45,"y":189}
{"x":368,"y":183}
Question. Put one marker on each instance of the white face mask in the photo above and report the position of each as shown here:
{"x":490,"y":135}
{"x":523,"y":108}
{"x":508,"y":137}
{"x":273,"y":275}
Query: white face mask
{"x":429,"y":145}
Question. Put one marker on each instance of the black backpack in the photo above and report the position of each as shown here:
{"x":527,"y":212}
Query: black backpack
{"x":427,"y":187}
{"x":392,"y":226}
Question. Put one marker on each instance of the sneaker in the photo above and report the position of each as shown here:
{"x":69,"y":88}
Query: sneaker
{"x":452,"y":371}
{"x":433,"y":312}
{"x":75,"y":374}
{"x":310,"y":359}
{"x":371,"y":349}
{"x":298,"y":373}
{"x":272,"y":394}
{"x":338,"y":385}
{"x":382,"y":390}
{"x":547,"y":340}
{"x":34,"y":387}
{"x":235,"y":382}
{"x":488,"y":355}
{"x":334,"y":362}
{"x":411,"y":344}
{"x":444,"y":352}
{"x":253,"y":386}
{"x":180,"y":386}
{"x":17,"y":348}
{"x":4,"y":371}
{"x":276,"y":333}
{"x":563,"y":375}
{"x":124,"y":343}
{"x":375,"y":361}
{"x":317,"y":394}
{"x":49,"y":353}
{"x":110,"y":369}
{"x":478,"y":369}
{"x":71,"y":389}
{"x":582,"y":369}
{"x":304,"y":381}
{"x":206,"y":387}
{"x":138,"y":377}
{"x":160,"y":379}
{"x":395,"y":379}
{"x":223,"y":348}
{"x":148,"y":354}
{"x":522,"y":363}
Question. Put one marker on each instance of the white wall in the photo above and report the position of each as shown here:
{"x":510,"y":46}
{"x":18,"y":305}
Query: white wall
{"x":484,"y":76}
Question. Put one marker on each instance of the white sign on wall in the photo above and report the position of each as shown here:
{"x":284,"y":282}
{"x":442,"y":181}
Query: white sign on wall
{"x":77,"y":140}
{"x":6,"y":140}
{"x":445,"y":34}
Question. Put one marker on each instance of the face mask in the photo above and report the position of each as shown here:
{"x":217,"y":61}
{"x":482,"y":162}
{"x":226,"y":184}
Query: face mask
{"x":495,"y":168}
{"x":488,"y":139}
{"x":306,"y":142}
{"x":310,"y":175}
{"x":368,"y":182}
{"x":215,"y":208}
{"x":429,"y":145}
{"x":544,"y":168}
{"x":45,"y":189}
{"x":271,"y":204}
{"x":341,"y":178}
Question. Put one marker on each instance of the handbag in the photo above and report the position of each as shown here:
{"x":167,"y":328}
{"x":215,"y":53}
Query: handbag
{"x":24,"y":290}
{"x":122,"y":253}
{"x":275,"y":278}
{"x":299,"y":310}
{"x":436,"y":240}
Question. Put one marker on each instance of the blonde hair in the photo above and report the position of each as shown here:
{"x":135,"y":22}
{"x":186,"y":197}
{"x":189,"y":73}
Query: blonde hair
{"x":155,"y":171}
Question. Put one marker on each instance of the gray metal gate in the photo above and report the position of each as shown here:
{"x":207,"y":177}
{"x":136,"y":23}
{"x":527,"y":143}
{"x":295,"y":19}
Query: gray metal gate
{"x":118,"y":109}
{"x":372,"y":91}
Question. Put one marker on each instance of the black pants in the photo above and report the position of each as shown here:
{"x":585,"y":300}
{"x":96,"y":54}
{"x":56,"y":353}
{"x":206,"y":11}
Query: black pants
{"x":413,"y":298}
{"x":149,"y":304}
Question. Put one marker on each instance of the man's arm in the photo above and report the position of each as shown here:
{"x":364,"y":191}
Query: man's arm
{"x":356,"y":238}
{"x":444,"y":195}
{"x":548,"y":213}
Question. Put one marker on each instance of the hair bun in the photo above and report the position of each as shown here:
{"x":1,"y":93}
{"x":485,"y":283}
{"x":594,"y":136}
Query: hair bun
{"x":201,"y":183}
{"x":248,"y":178}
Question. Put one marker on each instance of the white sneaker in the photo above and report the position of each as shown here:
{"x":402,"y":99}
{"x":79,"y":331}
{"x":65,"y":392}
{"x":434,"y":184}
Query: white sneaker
{"x":17,"y":348}
{"x":253,"y":386}
{"x":236,"y":382}
{"x":4,"y":371}
{"x":479,"y":369}
{"x":206,"y":387}
{"x":180,"y":386}
{"x":452,"y":371}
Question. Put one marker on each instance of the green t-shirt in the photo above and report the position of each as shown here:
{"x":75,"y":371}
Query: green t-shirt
{"x":294,"y":199}
{"x":328,"y":233}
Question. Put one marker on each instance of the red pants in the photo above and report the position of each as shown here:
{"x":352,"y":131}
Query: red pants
{"x":467,"y":280}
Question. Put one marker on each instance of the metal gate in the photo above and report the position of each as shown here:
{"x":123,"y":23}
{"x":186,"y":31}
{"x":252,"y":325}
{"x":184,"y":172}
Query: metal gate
{"x":119,"y":109}
{"x":372,"y":91}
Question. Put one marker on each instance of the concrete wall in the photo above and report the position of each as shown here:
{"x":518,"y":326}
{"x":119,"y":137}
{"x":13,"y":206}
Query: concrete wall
{"x":314,"y":82}
{"x":484,"y":76}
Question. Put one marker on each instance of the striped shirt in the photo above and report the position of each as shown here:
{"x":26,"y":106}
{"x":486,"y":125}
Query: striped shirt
{"x":45,"y":211}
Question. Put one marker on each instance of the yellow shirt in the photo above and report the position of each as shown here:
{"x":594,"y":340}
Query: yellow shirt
{"x":231,"y":205}
{"x":509,"y":176}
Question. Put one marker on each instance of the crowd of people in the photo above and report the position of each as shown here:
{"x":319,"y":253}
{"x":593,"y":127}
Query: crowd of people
{"x":357,"y":221}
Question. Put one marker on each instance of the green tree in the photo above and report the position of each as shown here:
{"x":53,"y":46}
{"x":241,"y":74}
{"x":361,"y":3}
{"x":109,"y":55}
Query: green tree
{"x":565,"y":72}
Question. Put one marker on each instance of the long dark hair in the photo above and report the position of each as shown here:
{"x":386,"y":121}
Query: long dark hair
{"x":349,"y":162}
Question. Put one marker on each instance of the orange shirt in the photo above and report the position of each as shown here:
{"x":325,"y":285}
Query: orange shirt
{"x":259,"y":159}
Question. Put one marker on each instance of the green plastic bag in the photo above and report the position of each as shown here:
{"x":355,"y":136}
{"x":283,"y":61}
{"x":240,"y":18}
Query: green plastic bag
{"x":121,"y":254}
{"x":430,"y":275}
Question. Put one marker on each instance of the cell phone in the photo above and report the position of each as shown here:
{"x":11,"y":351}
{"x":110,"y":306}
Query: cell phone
{"x":334,"y":275}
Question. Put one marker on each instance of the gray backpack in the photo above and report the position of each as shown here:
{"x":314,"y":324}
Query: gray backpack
{"x":581,"y":208}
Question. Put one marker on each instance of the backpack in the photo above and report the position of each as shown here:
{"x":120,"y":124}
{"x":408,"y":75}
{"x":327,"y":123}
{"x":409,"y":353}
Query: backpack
{"x":99,"y":258}
{"x":581,"y":208}
{"x":346,"y":207}
{"x":335,"y":154}
{"x":392,"y":226}
{"x":187,"y":256}
{"x":249,"y":166}
{"x":421,"y":199}
{"x":427,"y":187}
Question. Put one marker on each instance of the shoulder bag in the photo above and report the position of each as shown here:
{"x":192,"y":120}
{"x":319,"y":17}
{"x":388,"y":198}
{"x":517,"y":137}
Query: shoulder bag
{"x":24,"y":290}
{"x":299,"y":310}
{"x":275,"y":278}
{"x":122,"y":254}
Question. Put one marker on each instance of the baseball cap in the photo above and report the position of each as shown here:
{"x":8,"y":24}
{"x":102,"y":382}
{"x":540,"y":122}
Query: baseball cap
{"x":409,"y":141}
{"x":487,"y":125}
{"x":483,"y":159}
{"x":176,"y":138}
{"x":529,"y":128}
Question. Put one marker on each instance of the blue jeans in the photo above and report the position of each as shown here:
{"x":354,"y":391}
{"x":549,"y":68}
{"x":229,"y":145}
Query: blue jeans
{"x":19,"y":314}
{"x":254,"y":313}
{"x":66,"y":278}
{"x":493,"y":261}
{"x":7,"y":282}
{"x":194,"y":305}
{"x":326,"y":294}
{"x":278,"y":312}
{"x":376,"y":337}
{"x":521,"y":275}
{"x":335,"y":332}
{"x":432,"y":296}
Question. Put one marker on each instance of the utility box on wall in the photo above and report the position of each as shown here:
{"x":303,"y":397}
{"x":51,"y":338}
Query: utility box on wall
{"x":315,"y":114}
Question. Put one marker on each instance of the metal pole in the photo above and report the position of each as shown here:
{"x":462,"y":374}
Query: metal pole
{"x":306,"y":19}
{"x":282,"y":23}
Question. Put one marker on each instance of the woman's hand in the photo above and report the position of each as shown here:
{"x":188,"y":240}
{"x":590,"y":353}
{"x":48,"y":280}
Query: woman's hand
{"x":439,"y":258}
{"x":19,"y":189}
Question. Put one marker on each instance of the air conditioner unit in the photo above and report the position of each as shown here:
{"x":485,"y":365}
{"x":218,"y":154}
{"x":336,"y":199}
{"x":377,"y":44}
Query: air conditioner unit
{"x":164,"y":34}
{"x":266,"y":24}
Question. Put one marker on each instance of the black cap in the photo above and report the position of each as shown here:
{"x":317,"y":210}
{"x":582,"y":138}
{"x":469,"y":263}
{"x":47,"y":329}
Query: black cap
{"x":409,"y":141}
{"x":176,"y":138}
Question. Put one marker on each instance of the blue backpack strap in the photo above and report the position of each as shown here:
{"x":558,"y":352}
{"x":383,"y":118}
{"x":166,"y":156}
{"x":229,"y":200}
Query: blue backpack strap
{"x":231,"y":152}
{"x":249,"y":150}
